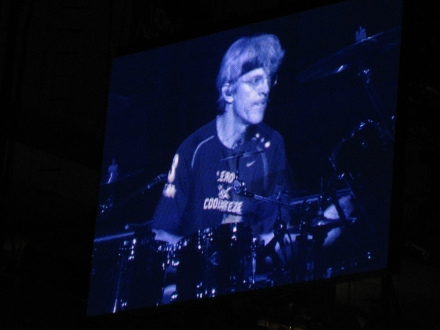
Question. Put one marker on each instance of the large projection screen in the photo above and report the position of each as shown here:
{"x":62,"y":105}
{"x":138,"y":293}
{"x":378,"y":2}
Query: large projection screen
{"x":334,"y":105}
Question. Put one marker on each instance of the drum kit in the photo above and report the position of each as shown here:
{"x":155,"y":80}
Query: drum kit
{"x":229,"y":258}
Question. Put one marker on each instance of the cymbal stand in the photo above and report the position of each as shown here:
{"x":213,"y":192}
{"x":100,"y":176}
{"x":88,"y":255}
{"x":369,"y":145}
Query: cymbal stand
{"x":304,"y":259}
{"x":280,"y":233}
{"x":365,"y":73}
{"x":106,"y":208}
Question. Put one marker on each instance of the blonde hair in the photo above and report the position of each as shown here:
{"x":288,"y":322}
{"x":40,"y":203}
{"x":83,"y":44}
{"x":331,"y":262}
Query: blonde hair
{"x":246,"y":54}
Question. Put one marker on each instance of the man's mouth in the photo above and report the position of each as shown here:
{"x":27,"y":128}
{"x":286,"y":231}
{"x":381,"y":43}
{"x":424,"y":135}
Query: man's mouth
{"x":261,"y":103}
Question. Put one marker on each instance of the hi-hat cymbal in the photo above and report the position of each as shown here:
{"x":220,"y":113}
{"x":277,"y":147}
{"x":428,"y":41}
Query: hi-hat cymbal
{"x":363,"y":52}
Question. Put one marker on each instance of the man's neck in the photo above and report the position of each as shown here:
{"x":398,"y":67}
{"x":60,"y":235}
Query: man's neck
{"x":230,"y":132}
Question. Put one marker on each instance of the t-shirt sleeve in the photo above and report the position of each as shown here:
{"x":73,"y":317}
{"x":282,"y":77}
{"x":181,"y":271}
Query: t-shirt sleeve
{"x":173,"y":202}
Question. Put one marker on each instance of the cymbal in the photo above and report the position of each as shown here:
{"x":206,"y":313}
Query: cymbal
{"x":363,"y":52}
{"x":116,"y":178}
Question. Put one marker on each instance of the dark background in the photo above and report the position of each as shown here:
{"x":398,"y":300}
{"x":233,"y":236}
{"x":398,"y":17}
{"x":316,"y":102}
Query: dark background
{"x":55,"y":59}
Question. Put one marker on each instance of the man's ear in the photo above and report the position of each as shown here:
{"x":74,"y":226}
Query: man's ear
{"x":227,"y":92}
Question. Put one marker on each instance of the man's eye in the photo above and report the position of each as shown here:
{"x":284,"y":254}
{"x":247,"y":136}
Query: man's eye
{"x":257,"y":80}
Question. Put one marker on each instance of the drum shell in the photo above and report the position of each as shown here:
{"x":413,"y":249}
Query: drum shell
{"x":367,"y":152}
{"x":213,"y":261}
{"x":142,"y":272}
{"x":104,"y":277}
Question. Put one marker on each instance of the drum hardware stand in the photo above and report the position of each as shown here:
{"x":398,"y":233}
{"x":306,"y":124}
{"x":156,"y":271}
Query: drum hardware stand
{"x":306,"y":264}
{"x":312,"y":264}
{"x":280,"y":232}
{"x":320,"y":233}
{"x":279,"y":229}
{"x":253,"y":261}
{"x":158,"y":179}
{"x":106,"y":207}
{"x":119,"y":303}
{"x":365,"y":73}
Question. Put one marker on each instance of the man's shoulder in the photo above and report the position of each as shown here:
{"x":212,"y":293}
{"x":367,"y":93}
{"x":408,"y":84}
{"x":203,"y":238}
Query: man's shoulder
{"x":201,"y":135}
{"x":206,"y":130}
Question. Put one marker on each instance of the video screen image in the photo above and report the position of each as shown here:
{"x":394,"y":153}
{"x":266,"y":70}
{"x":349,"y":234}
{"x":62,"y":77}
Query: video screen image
{"x":249,"y":159}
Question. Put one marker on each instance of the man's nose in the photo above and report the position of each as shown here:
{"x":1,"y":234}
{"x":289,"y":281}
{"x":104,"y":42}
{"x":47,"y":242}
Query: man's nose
{"x":264,"y":87}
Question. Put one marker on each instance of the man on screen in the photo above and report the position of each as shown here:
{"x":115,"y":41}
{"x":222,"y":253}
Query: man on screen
{"x":234,"y":147}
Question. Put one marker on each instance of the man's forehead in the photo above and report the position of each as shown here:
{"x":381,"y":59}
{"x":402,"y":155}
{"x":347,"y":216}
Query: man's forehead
{"x":254,"y":73}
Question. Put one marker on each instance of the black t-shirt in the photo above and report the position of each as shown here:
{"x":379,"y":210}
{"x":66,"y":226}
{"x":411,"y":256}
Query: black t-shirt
{"x":199,"y":192}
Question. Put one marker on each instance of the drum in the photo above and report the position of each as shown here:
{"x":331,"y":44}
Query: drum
{"x":367,"y":152}
{"x":213,"y":261}
{"x":142,"y":263}
{"x":105,"y":274}
{"x":365,"y":162}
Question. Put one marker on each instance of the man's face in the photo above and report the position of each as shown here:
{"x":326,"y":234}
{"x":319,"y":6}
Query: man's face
{"x":251,"y":97}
